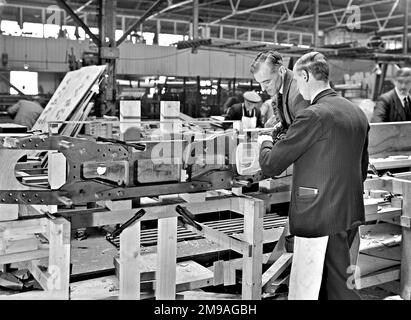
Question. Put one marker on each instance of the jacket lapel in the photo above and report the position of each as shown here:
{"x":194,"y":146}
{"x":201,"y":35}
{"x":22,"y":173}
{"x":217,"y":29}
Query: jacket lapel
{"x":398,"y":106}
{"x":288,"y":78}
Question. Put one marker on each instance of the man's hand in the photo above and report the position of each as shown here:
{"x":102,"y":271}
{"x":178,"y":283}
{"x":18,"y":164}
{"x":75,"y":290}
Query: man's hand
{"x":263,"y":138}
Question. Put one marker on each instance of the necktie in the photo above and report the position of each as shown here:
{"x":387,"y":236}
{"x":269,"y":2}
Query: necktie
{"x":280,"y":100}
{"x":407,"y":108}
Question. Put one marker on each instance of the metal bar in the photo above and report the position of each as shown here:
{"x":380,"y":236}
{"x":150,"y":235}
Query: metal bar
{"x":345,"y":11}
{"x":395,"y":5}
{"x":195,"y":19}
{"x":405,"y":31}
{"x":11,"y":85}
{"x":316,"y":22}
{"x":295,"y":7}
{"x":324,"y":13}
{"x":143,"y":18}
{"x":332,"y":8}
{"x":251,"y":10}
{"x":79,"y":22}
{"x":376,"y":17}
{"x":172,"y":7}
{"x":67,"y":19}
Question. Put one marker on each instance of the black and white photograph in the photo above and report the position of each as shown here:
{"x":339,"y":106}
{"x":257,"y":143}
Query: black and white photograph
{"x":207,"y":158}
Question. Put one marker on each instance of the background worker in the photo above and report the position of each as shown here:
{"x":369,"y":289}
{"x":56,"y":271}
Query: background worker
{"x":395,"y":105}
{"x":247,"y":112}
{"x":25,"y":112}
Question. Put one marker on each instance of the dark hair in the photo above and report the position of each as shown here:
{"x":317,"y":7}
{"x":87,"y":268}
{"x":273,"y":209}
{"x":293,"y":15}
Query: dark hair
{"x":315,"y":63}
{"x":273,"y":58}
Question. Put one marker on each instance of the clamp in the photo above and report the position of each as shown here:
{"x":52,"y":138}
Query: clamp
{"x":188,"y":217}
{"x":128,"y":223}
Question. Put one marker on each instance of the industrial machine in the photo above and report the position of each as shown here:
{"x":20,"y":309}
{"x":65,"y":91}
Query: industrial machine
{"x":49,"y":168}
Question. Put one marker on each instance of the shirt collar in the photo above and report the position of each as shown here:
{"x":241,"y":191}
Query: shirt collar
{"x":317,"y":92}
{"x":401,"y":96}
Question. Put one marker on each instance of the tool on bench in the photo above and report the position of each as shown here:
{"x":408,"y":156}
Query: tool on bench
{"x":187,"y":217}
{"x":128,"y":223}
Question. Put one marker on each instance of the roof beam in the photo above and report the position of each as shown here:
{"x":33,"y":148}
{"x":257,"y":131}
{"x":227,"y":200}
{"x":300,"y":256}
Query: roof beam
{"x":235,"y":13}
{"x":79,"y":22}
{"x":147,"y":15}
{"x":395,"y":5}
{"x":172,"y":7}
{"x":325,"y":13}
{"x":80,"y":9}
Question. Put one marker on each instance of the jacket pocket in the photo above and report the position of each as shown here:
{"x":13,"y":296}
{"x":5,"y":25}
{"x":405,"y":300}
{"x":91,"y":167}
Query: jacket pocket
{"x":305,"y":197}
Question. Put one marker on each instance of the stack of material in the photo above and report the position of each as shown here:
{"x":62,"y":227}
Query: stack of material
{"x":71,"y":101}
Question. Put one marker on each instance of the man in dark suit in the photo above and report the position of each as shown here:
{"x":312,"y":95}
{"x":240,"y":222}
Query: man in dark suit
{"x":327,"y":142}
{"x":395,"y":105}
{"x":247,"y":112}
{"x":279,"y":83}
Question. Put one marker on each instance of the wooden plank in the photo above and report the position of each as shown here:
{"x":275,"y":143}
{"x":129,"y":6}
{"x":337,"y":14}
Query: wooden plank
{"x":130,"y":117}
{"x":34,"y":295}
{"x":18,"y":244}
{"x":166,"y":259}
{"x":24,"y":256}
{"x":44,"y":278}
{"x":391,"y":163}
{"x":279,"y":248}
{"x":389,"y":138}
{"x":189,"y":274}
{"x":277,"y":268}
{"x":9,"y":212}
{"x":170,"y":117}
{"x":101,"y":218}
{"x":384,"y":213}
{"x":218,"y":271}
{"x":378,"y":278}
{"x":59,"y":256}
{"x":202,"y":295}
{"x":229,"y":273}
{"x":252,"y":264}
{"x":406,"y":245}
{"x":239,"y":245}
{"x":130,"y":269}
{"x":368,"y":264}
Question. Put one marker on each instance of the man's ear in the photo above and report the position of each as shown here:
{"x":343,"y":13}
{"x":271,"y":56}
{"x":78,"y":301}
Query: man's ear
{"x":306,"y":76}
{"x":281,"y":71}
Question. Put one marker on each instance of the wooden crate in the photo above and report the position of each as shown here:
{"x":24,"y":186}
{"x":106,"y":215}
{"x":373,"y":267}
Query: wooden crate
{"x":19,"y":243}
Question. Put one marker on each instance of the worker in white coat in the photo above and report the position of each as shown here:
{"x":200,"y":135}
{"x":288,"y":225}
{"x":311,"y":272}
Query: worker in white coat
{"x":248,"y":111}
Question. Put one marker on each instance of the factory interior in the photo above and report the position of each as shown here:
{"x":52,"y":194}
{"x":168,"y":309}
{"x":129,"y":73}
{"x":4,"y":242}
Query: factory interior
{"x":205,"y":150}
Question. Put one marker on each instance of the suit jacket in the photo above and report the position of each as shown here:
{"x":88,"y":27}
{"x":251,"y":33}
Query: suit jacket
{"x":235,"y":112}
{"x":327,"y":143}
{"x":388,"y":108}
{"x":293,"y":102}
